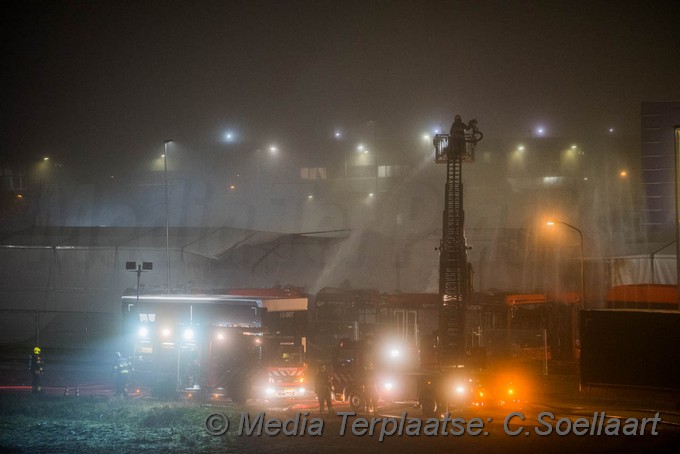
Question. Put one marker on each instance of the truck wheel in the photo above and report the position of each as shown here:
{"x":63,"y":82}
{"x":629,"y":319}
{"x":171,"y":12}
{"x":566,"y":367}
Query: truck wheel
{"x":429,"y":406}
{"x":357,"y":402}
{"x":238,"y":395}
{"x":165,"y":389}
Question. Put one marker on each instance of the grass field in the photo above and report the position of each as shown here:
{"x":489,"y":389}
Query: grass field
{"x":98,"y":424}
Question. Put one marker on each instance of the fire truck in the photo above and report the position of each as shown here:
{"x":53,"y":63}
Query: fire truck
{"x":446,"y":371}
{"x":367,"y":369}
{"x":439,"y":375}
{"x":239,"y":343}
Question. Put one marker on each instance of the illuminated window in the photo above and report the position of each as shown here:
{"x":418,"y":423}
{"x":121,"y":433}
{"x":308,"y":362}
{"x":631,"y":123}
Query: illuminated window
{"x":392,"y":171}
{"x":313,"y":173}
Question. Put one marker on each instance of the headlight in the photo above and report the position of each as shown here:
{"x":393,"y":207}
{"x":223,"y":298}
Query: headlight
{"x":395,"y":353}
{"x":301,"y":390}
{"x":389,"y":385}
{"x":188,"y":334}
{"x":166,"y":332}
{"x":143,"y":332}
{"x":269,"y":391}
{"x":460,"y":389}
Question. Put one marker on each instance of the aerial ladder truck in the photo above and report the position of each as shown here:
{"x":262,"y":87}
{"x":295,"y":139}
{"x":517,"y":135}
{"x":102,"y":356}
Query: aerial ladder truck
{"x":449,"y":380}
{"x":449,"y":371}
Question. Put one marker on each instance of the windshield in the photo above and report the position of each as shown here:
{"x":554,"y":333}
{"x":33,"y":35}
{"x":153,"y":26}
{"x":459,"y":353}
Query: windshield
{"x":285,"y":355}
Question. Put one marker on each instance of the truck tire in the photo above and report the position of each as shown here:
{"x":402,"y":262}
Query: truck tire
{"x":429,"y":406}
{"x":238,"y":395}
{"x":357,"y":402}
{"x":165,"y":389}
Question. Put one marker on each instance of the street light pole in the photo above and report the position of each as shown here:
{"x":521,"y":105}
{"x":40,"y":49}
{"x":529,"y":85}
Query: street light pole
{"x":167,"y":225}
{"x":580,"y":234}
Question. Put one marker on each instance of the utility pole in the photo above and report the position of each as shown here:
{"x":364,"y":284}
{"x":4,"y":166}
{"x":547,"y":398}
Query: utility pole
{"x":139,"y":269}
{"x":167,"y":222}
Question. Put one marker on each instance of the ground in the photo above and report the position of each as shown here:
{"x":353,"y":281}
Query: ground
{"x":53,"y":423}
{"x":88,"y":418}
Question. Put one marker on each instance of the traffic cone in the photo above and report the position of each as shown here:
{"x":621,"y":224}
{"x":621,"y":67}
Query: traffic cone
{"x":66,"y":391}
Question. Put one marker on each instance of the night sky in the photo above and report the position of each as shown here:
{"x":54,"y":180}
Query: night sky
{"x":106,"y":82}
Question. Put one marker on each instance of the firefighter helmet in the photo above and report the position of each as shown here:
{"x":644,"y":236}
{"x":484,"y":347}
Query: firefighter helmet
{"x":36,"y":351}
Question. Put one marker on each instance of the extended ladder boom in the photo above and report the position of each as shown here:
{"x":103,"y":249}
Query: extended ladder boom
{"x":454,"y":275}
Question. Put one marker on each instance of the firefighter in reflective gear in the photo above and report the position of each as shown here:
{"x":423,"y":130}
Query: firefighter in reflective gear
{"x":122,"y":370}
{"x":36,"y":366}
{"x":323,"y":386}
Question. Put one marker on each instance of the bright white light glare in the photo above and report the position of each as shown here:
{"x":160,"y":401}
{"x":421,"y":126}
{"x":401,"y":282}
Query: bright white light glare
{"x":166,"y":332}
{"x":395,"y":353}
{"x":360,"y":148}
{"x":389,"y":386}
{"x":301,"y":390}
{"x":426,"y":137}
{"x":269,"y":391}
{"x":273,"y":149}
{"x":520,"y":148}
{"x":611,"y":130}
{"x":188,"y":334}
{"x":143,"y":331}
{"x":228,"y":136}
{"x":310,"y":196}
{"x":46,"y":158}
{"x":460,"y":389}
{"x":573,"y":147}
{"x":220,"y":336}
{"x":371,"y":194}
{"x":552,"y":180}
{"x":338,"y":134}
